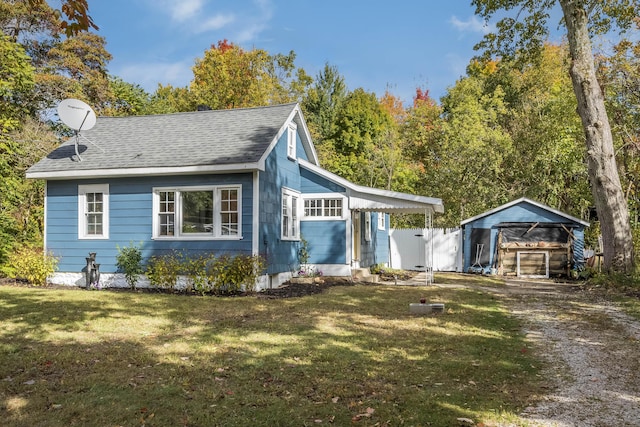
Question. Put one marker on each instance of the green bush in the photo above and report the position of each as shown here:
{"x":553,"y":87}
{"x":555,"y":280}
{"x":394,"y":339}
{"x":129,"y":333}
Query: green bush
{"x":163,"y":271}
{"x":206,"y":273}
{"x":129,"y":261}
{"x":30,"y":264}
{"x":196,"y":269}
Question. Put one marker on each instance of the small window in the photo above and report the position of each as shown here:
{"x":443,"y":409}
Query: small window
{"x":292,"y":141}
{"x":93,"y":211}
{"x":323,"y":207}
{"x":382,"y":221}
{"x":290,"y":227}
{"x":197,"y":212}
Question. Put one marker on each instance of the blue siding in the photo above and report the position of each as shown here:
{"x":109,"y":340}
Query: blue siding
{"x":130,"y":220}
{"x":312,"y":183}
{"x":280,"y":171}
{"x":326,"y":241}
{"x":521,"y":212}
{"x":375,"y":251}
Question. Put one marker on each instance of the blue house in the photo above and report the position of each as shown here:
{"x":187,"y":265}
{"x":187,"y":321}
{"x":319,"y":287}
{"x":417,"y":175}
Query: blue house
{"x":523,"y":238}
{"x":243,"y":181}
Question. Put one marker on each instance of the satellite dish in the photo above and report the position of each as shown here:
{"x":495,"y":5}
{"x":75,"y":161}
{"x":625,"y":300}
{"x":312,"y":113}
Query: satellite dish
{"x":78,"y":116}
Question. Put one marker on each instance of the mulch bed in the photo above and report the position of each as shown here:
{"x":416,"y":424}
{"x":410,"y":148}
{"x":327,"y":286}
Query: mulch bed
{"x":287,"y":290}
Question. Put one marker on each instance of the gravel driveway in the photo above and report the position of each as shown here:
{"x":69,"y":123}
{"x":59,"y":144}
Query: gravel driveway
{"x":594,"y":354}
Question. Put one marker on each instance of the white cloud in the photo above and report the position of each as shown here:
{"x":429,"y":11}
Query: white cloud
{"x":148,"y":75}
{"x":472,"y":25}
{"x":216,"y":22}
{"x":256,"y":24}
{"x":184,"y":10}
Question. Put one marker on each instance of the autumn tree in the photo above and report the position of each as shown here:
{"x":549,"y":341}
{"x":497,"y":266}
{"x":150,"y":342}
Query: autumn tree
{"x":75,"y":67}
{"x":230,"y":77}
{"x":73,"y":15}
{"x":524,"y":35}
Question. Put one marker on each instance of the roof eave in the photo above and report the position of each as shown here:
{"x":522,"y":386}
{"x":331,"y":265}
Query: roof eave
{"x":133,"y":172}
{"x":409,"y":203}
{"x":527,"y":200}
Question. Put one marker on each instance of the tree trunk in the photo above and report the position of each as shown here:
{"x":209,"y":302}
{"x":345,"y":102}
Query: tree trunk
{"x":608,"y":195}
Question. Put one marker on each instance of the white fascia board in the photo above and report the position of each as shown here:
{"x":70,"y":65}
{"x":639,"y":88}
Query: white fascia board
{"x":532,"y":202}
{"x":306,"y":136}
{"x":128,"y":172}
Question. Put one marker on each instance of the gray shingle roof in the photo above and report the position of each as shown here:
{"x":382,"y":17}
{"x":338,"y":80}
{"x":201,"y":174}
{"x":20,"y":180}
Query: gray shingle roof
{"x":202,"y":138}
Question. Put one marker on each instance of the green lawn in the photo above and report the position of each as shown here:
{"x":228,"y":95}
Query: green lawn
{"x":353,"y":355}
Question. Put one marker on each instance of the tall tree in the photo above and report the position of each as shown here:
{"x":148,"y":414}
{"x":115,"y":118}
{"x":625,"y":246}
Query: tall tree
{"x":231,"y":77}
{"x":525,"y":35}
{"x":323,"y":101}
{"x":75,"y":67}
{"x":548,"y":157}
{"x":620,"y":77}
{"x":17,"y":197}
{"x":475,"y":149}
{"x":361,"y":123}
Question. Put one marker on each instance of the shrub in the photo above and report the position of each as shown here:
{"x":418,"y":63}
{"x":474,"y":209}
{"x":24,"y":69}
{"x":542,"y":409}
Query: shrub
{"x":163,"y":271}
{"x":196,"y":270}
{"x":129,"y":261}
{"x":30,"y":264}
{"x":228,"y":275}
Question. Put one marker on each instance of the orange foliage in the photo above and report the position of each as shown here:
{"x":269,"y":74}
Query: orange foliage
{"x":393,"y":105}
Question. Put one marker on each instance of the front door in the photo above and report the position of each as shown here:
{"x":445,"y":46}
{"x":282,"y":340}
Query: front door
{"x":355,"y":235}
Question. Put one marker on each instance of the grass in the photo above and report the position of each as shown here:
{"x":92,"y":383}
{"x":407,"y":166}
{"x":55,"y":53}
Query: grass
{"x":353,"y":355}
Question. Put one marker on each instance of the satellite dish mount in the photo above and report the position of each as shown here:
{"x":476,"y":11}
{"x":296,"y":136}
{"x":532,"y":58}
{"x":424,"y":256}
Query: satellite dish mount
{"x":78,"y":116}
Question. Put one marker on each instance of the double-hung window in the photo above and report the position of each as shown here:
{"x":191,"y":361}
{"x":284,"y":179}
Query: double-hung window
{"x":197,"y":212}
{"x":93,"y":211}
{"x":290,"y":227}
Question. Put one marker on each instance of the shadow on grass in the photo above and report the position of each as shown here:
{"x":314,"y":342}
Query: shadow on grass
{"x":351,"y":354}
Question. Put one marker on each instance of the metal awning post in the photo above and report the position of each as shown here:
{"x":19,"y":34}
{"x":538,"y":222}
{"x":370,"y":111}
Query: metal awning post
{"x":428,"y":262}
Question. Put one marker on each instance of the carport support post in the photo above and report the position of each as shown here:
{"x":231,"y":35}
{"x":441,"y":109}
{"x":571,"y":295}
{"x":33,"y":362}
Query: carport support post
{"x":428,"y":258}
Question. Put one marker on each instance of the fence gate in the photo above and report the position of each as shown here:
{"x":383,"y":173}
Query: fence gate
{"x":409,"y":248}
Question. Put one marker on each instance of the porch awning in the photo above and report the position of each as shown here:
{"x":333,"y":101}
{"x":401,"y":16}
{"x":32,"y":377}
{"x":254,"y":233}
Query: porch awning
{"x":374,"y":199}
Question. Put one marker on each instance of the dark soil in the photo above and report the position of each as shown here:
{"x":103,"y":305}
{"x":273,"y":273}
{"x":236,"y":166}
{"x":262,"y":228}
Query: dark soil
{"x":296,"y":290}
{"x":287,"y":290}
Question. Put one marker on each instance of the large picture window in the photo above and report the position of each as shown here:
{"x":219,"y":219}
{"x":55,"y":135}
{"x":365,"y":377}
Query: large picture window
{"x":197,"y":212}
{"x":93,"y":211}
{"x":290,"y":227}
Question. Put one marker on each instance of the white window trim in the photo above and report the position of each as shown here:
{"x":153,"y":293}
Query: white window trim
{"x":178,"y":235}
{"x":82,"y":213}
{"x":292,"y":141}
{"x":382,"y":221}
{"x":367,"y":226}
{"x":324,"y":196}
{"x":289,"y":194}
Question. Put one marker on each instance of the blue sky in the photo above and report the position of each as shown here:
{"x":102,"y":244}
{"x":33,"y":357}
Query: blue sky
{"x":375,"y":45}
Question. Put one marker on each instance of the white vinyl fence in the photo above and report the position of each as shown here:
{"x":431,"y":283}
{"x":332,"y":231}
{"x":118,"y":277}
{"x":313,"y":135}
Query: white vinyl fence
{"x":411,"y":249}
